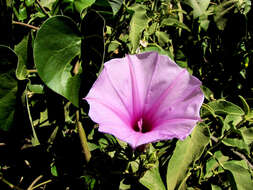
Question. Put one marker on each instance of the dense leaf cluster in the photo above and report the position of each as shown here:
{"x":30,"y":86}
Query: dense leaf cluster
{"x":51,"y":52}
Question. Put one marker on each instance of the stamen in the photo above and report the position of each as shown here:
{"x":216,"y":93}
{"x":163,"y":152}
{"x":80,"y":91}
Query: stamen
{"x":139,"y":123}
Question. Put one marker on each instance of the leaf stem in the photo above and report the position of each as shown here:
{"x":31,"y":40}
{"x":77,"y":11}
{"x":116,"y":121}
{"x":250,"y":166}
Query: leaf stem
{"x":35,"y":141}
{"x":26,"y":25}
{"x":32,"y":71}
{"x":83,"y":138}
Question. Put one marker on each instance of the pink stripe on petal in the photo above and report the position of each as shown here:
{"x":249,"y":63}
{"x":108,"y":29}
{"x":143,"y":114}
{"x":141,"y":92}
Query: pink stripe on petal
{"x":164,"y":94}
{"x":135,"y":92}
{"x":117,"y":112}
{"x":117,"y":92}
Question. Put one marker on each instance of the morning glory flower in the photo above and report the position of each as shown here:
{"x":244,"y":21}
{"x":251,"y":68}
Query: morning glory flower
{"x":145,"y":98}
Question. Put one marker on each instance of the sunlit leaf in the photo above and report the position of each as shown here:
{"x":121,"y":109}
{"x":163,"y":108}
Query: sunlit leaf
{"x":152,"y":178}
{"x":240,"y":174}
{"x":138,"y":23}
{"x":247,"y":134}
{"x":80,"y":5}
{"x":230,"y":122}
{"x":21,"y":51}
{"x":213,"y":163}
{"x":224,"y":107}
{"x":235,"y":142}
{"x":115,"y":5}
{"x":163,"y":37}
{"x":174,"y":22}
{"x":185,"y":154}
{"x":199,"y":6}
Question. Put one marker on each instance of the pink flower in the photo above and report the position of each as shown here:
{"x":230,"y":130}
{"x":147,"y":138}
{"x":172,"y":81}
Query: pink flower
{"x":145,"y":98}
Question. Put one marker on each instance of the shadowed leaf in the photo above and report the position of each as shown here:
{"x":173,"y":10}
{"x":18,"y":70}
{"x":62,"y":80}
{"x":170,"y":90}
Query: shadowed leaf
{"x":56,"y":45}
{"x":8,"y":87}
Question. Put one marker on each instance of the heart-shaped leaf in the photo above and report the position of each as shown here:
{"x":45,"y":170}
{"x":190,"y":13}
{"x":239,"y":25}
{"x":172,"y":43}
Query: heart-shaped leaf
{"x":56,"y":46}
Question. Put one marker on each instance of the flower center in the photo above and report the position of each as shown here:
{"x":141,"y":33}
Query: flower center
{"x":142,"y":126}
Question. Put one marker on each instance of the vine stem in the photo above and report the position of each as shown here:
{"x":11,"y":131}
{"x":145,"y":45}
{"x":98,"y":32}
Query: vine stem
{"x":42,"y":8}
{"x":83,"y":138}
{"x":27,"y":25}
{"x":34,"y":182}
{"x":236,"y":153}
{"x":8,"y":183}
{"x":43,"y":183}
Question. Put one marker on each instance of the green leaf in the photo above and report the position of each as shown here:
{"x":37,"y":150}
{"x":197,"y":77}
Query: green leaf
{"x":238,"y":143}
{"x":115,"y":5}
{"x":80,"y":5}
{"x":123,"y":186}
{"x":29,"y":3}
{"x":240,"y":174}
{"x":113,"y":45}
{"x":213,"y":163}
{"x":22,"y":15}
{"x":199,"y":6}
{"x":220,"y":11}
{"x":246,"y":107}
{"x":48,"y":3}
{"x":152,"y":178}
{"x":21,"y":51}
{"x":185,"y":154}
{"x":36,"y":88}
{"x":138,"y":23}
{"x":54,"y":171}
{"x":56,"y":45}
{"x":163,"y":37}
{"x":247,"y":135}
{"x":8,"y":87}
{"x":230,"y":122}
{"x":207,"y":92}
{"x":215,"y":187}
{"x":224,"y":107}
{"x":174,"y":22}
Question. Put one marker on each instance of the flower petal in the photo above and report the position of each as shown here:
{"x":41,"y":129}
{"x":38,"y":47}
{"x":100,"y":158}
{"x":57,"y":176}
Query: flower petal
{"x":106,"y":105}
{"x":174,"y":129}
{"x":179,"y":95}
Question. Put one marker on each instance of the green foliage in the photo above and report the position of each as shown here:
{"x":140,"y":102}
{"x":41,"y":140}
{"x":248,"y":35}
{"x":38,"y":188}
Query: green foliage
{"x":138,"y":23}
{"x":8,"y":87}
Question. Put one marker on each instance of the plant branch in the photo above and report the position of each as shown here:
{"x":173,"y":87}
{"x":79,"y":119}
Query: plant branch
{"x":26,"y":25}
{"x":243,"y":157}
{"x":83,"y":138}
{"x":43,"y":183}
{"x":8,"y":183}
{"x":34,"y":182}
{"x":236,"y":153}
